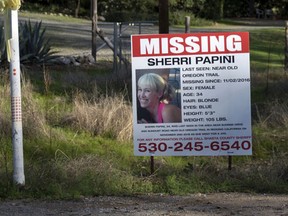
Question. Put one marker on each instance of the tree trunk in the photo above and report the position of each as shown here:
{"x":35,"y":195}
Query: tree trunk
{"x":94,"y":26}
{"x":163,"y":16}
{"x":77,"y":8}
{"x":251,"y":8}
{"x":221,"y":9}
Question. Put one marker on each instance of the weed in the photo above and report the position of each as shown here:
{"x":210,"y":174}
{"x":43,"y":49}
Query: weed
{"x":78,"y":137}
{"x":104,"y":115}
{"x":34,"y":47}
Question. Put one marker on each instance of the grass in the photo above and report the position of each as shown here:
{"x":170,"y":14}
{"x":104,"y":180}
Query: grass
{"x":52,"y":13}
{"x":267,"y":49}
{"x":78,"y":128}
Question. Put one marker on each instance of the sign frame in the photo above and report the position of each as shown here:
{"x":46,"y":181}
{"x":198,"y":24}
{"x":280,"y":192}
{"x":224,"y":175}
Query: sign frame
{"x":212,"y":73}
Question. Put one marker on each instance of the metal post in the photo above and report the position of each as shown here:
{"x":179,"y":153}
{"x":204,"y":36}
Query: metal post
{"x":94,"y":17}
{"x":152,"y":165}
{"x":12,"y":39}
{"x":140,"y":28}
{"x":187,"y":24}
{"x":286,"y":47}
{"x":163,"y":29}
{"x":115,"y":48}
{"x":120,"y":44}
{"x":229,"y":163}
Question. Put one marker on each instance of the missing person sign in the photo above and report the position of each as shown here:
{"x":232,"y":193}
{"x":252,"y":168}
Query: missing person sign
{"x":191,"y":94}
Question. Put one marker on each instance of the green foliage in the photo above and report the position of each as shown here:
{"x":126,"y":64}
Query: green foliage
{"x":236,"y":8}
{"x":34,"y":48}
{"x":66,"y":160}
{"x":129,"y":16}
{"x":208,"y":9}
{"x":64,"y":163}
{"x":266,"y":47}
{"x":3,"y":54}
{"x":124,"y":11}
{"x":178,"y":18}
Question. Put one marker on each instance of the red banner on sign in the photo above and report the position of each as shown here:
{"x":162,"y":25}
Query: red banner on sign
{"x":190,"y":44}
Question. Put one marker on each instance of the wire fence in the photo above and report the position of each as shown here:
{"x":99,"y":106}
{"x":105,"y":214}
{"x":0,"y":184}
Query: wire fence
{"x":121,"y":39}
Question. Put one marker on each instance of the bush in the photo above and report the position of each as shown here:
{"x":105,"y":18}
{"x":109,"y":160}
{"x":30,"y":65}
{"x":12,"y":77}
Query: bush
{"x":178,"y":18}
{"x":128,"y":16}
{"x":106,"y":115}
{"x":33,"y":46}
{"x":3,"y":55}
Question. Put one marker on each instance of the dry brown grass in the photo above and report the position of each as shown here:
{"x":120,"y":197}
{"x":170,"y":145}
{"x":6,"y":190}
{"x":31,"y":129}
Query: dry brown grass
{"x":273,"y":114}
{"x":33,"y":117}
{"x":34,"y":120}
{"x":109,"y":115}
{"x":105,"y":115}
{"x":5,"y":113}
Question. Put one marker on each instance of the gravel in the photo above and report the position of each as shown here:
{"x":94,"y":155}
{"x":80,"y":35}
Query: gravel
{"x":152,"y":205}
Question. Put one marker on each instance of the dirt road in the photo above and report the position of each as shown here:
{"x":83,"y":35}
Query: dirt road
{"x":152,"y":205}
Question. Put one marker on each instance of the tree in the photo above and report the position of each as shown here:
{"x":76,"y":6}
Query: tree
{"x":128,"y":10}
{"x":77,"y":8}
{"x":221,"y":8}
{"x":163,"y":16}
{"x":94,"y":17}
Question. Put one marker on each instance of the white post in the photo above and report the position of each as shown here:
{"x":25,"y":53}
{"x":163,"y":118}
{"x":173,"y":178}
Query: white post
{"x":11,"y":25}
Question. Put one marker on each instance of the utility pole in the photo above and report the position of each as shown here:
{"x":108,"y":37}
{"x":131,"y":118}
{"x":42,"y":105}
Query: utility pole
{"x":94,"y":17}
{"x":13,"y":56}
{"x":163,"y":16}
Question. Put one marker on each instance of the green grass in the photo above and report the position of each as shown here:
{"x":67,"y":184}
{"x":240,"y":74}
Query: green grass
{"x":267,"y":44}
{"x":64,"y":160}
{"x":53,"y":14}
{"x":267,"y":49}
{"x":53,"y":17}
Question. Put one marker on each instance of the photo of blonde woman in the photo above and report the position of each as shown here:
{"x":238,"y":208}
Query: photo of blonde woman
{"x":154,"y":95}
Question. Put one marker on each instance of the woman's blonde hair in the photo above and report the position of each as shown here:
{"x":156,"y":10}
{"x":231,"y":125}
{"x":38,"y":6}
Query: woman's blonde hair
{"x":159,"y":84}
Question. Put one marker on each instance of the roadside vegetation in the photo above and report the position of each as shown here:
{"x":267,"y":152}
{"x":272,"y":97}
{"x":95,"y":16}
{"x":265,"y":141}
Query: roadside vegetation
{"x":78,"y":135}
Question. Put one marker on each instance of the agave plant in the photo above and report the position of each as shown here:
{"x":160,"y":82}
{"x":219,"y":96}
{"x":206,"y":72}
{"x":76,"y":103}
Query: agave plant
{"x":34,"y":47}
{"x":3,"y":56}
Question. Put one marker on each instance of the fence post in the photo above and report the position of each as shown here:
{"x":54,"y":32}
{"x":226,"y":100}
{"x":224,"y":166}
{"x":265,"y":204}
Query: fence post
{"x":94,"y":27}
{"x":115,"y":48}
{"x":286,"y":47}
{"x":187,"y":24}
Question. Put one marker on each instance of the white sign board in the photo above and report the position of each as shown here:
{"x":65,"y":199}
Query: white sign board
{"x":191,"y":94}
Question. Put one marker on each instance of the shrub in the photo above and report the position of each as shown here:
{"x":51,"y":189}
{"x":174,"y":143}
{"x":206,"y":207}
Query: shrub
{"x":33,"y":117}
{"x":178,"y":18}
{"x":33,"y":46}
{"x":106,"y":115}
{"x":5,"y":113}
{"x":3,"y":53}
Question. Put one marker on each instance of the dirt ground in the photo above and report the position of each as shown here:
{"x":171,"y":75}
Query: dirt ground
{"x":148,"y":205}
